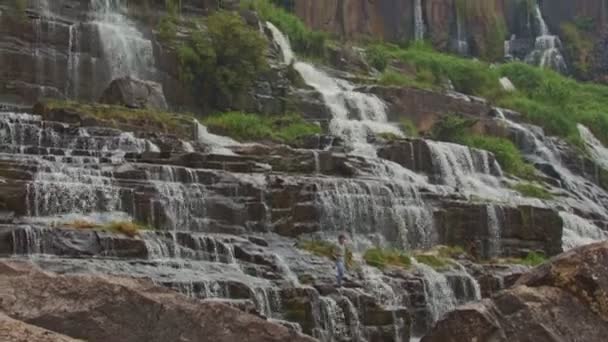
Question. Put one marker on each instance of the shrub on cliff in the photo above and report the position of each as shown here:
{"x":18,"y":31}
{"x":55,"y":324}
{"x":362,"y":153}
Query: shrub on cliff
{"x":222,"y":62}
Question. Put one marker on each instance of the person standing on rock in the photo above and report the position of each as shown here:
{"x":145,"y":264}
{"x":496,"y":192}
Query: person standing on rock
{"x":340,"y":255}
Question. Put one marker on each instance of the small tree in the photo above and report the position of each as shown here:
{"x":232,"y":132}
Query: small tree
{"x":223,"y":61}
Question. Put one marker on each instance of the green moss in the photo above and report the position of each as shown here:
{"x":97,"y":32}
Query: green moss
{"x":253,"y":127}
{"x":451,"y":128}
{"x":115,"y":116}
{"x":533,"y":190}
{"x":381,"y":258}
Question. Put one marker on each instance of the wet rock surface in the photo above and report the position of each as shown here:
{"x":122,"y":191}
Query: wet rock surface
{"x":14,"y":330}
{"x":540,"y":305}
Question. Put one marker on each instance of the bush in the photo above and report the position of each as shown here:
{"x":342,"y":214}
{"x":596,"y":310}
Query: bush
{"x":252,"y":127}
{"x":377,"y":56}
{"x":381,"y":258}
{"x":451,"y":128}
{"x":221,"y":63}
{"x":533,"y":190}
{"x":506,"y":153}
{"x":303,"y":40}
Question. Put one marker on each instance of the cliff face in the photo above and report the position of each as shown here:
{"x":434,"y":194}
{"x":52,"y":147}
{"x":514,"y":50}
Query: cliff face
{"x":472,"y":27}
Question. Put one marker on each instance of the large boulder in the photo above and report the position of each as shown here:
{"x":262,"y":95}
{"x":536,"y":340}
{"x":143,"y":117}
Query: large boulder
{"x":103,"y":308}
{"x":562,"y":300}
{"x":14,"y":330}
{"x":134,"y":93}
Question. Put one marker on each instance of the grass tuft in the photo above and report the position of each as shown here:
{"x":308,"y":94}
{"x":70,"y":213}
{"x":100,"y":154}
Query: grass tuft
{"x":381,"y":258}
{"x":251,"y":127}
{"x":533,"y":190}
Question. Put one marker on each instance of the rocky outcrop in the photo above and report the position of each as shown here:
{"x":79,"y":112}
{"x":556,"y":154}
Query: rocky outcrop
{"x":541,"y":304}
{"x":425,"y":107}
{"x":134,"y":93}
{"x":13,"y":330}
{"x":99,"y":308}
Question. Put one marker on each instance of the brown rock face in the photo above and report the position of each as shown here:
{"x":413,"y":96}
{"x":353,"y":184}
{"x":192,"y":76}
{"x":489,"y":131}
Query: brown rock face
{"x":562,"y":300}
{"x":13,"y":330}
{"x":388,"y":19}
{"x":99,"y":308}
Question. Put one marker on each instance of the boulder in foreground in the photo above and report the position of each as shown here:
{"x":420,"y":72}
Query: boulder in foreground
{"x":565,"y":299}
{"x":103,"y":308}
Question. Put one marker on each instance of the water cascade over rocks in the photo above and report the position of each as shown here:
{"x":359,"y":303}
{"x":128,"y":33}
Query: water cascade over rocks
{"x":546,"y":53}
{"x":356,"y":115}
{"x":227,"y":215}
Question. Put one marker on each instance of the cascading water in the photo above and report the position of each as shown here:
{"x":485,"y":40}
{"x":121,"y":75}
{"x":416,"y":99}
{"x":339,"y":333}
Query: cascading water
{"x":598,"y":151}
{"x":376,"y":213}
{"x":419,"y":27}
{"x":579,"y":231}
{"x":546,"y":53}
{"x":356,"y":115}
{"x":461,"y":41}
{"x":126,"y":51}
{"x":218,"y":144}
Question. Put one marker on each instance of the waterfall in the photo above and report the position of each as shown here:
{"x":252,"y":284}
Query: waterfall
{"x":598,"y":151}
{"x":73,"y":67}
{"x":376,"y":213}
{"x":579,"y":231}
{"x":461,"y":44}
{"x":494,"y":230}
{"x":419,"y":28}
{"x":439,"y":295}
{"x":467,"y":170}
{"x":344,"y":102}
{"x":126,"y":50}
{"x":218,"y":144}
{"x":547,"y":47}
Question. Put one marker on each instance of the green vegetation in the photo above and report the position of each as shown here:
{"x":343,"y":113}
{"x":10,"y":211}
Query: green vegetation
{"x":544,"y":97}
{"x":303,"y":40}
{"x":381,"y":258}
{"x":118,"y":116}
{"x":247,"y":127}
{"x":533,"y":190}
{"x":127,"y":228}
{"x":394,"y":78}
{"x":437,"y":262}
{"x":452,"y":128}
{"x":408,"y":127}
{"x":492,"y":27}
{"x":325,"y":249}
{"x":450,"y":251}
{"x":532,"y":259}
{"x":18,"y":9}
{"x":579,"y":46}
{"x":389,"y":136}
{"x":222,"y":62}
{"x":507,"y":154}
